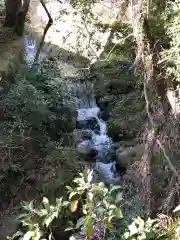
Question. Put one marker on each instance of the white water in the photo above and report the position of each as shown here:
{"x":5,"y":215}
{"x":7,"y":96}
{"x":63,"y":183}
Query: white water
{"x":81,"y":96}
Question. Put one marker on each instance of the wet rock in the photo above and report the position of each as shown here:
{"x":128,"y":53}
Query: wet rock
{"x":104,"y":115}
{"x":126,"y":157}
{"x":107,"y":173}
{"x":81,"y":135}
{"x":127,"y":117}
{"x":90,"y":123}
{"x":86,"y":148}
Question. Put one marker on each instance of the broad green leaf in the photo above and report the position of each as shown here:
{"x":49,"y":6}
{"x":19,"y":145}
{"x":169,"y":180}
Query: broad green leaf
{"x":69,"y":229}
{"x":27,"y":222}
{"x":46,"y":203}
{"x":70,"y":189}
{"x":72,"y":238}
{"x":37,"y":235}
{"x":28,"y":235}
{"x":177,"y":209}
{"x":100,"y":209}
{"x":89,"y":227}
{"x":59,"y":201}
{"x":119,"y":214}
{"x":80,"y":222}
{"x":50,"y":218}
{"x":115,"y":188}
{"x":90,"y":176}
{"x":119,"y":197}
{"x":72,"y":194}
{"x":17,"y":234}
{"x":65,"y":203}
{"x":50,"y":236}
{"x":112,"y":207}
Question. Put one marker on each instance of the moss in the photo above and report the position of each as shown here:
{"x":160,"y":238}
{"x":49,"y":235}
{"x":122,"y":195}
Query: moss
{"x":127,"y":116}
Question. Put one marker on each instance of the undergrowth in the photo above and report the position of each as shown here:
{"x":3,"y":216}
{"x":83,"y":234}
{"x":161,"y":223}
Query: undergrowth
{"x":91,"y":211}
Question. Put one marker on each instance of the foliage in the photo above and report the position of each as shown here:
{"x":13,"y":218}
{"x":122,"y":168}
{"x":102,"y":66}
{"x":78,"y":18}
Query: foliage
{"x":173,"y":31}
{"x":100,"y":205}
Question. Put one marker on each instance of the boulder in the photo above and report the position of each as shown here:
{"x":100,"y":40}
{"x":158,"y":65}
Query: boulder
{"x":126,"y":157}
{"x":86,"y":148}
{"x":80,"y":135}
{"x":127,"y":117}
{"x":90,"y":123}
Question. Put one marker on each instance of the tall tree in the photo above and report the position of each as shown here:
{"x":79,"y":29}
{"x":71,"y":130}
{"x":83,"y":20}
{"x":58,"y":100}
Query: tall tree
{"x":16,"y":11}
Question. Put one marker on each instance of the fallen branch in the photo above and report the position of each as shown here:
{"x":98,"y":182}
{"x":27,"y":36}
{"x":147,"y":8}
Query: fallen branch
{"x":50,"y":22}
{"x":122,"y":40}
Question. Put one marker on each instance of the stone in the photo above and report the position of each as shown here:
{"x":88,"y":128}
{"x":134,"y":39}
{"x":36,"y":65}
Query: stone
{"x":90,"y":123}
{"x":80,"y":135}
{"x":107,"y":173}
{"x":86,"y":148}
{"x":8,"y":225}
{"x":127,"y":157}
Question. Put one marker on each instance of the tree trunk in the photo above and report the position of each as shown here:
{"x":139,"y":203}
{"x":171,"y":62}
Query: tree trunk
{"x":155,"y":89}
{"x":15,"y":15}
{"x":12,"y":8}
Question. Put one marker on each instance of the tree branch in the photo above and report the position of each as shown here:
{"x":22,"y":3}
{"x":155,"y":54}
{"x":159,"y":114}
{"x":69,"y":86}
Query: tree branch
{"x":50,"y":22}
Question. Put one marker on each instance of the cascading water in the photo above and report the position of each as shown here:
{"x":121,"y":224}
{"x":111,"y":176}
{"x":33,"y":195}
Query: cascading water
{"x":99,"y":140}
{"x":79,"y":95}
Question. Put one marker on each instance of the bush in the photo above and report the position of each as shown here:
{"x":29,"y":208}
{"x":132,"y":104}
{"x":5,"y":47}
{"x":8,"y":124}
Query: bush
{"x":100,"y":212}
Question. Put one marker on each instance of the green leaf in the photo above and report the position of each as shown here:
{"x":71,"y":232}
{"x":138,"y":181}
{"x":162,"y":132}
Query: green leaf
{"x":119,"y":214}
{"x":46,"y":203}
{"x":177,"y":209}
{"x":89,"y":227}
{"x":65,"y":203}
{"x":112,"y":207}
{"x":80,"y":222}
{"x":59,"y":201}
{"x":50,"y":236}
{"x":28,"y":235}
{"x":27,"y":222}
{"x":37,"y":234}
{"x":119,"y":197}
{"x":50,"y":218}
{"x":90,"y":176}
{"x":69,"y":229}
{"x":17,"y":234}
{"x":100,"y":209}
{"x":72,"y":194}
{"x":115,"y":188}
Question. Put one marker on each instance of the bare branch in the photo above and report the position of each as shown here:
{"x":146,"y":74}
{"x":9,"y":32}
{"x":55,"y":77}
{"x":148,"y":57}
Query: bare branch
{"x":50,"y":22}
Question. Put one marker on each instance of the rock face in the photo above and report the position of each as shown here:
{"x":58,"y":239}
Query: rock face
{"x":125,"y":157}
{"x":90,"y":123}
{"x":118,"y":91}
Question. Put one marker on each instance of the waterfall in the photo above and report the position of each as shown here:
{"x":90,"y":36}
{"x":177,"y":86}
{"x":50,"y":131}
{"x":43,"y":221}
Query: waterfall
{"x":79,"y":94}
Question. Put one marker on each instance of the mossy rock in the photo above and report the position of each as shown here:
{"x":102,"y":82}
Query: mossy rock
{"x":127,"y":117}
{"x":114,"y":78}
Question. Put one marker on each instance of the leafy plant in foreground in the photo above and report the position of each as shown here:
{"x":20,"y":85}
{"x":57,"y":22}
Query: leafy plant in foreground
{"x":99,"y":206}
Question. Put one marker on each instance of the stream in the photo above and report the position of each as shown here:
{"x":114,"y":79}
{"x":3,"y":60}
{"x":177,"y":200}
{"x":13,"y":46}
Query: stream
{"x":90,"y":119}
